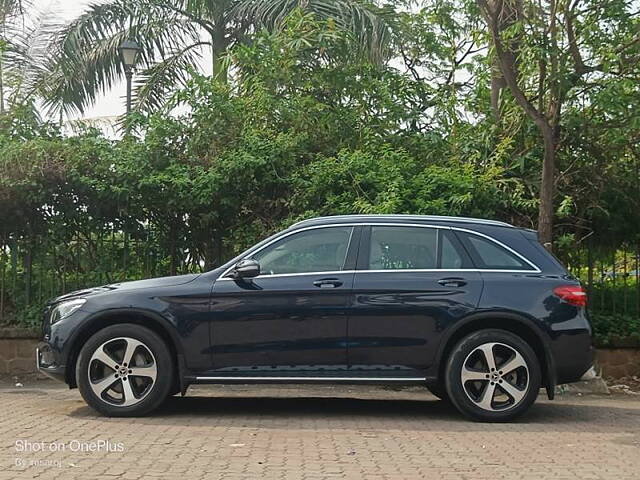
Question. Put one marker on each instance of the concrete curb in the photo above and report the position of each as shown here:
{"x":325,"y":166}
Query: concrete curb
{"x":590,"y":383}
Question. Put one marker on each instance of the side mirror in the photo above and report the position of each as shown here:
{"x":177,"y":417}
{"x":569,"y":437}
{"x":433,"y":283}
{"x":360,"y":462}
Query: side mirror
{"x":247,"y":268}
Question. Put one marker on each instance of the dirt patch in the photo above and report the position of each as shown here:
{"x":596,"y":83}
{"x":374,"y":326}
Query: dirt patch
{"x":628,"y":385}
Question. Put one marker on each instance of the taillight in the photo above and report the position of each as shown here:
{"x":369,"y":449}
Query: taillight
{"x":572,"y":294}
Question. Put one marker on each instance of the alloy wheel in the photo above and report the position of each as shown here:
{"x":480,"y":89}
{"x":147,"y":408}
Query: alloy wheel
{"x":495,"y":376}
{"x":122,"y":371}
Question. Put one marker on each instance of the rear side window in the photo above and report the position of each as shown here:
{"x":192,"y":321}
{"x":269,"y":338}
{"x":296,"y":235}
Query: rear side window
{"x":413,"y":248}
{"x":397,"y":248}
{"x":451,"y":257}
{"x":487,"y":254}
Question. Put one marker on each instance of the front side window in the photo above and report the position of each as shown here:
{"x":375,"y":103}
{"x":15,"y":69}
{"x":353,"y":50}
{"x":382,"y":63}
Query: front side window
{"x":399,"y":248}
{"x":315,"y":250}
{"x":489,"y":255}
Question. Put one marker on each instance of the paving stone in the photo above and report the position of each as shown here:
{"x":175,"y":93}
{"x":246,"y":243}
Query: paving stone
{"x":294,"y":432}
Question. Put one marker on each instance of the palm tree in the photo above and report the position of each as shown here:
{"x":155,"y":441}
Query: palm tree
{"x":10,"y":10}
{"x":20,"y":54}
{"x":173,"y":35}
{"x":25,"y":37}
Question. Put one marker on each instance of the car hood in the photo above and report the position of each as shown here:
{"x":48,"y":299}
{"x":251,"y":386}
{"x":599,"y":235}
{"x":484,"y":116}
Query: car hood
{"x":126,"y":286}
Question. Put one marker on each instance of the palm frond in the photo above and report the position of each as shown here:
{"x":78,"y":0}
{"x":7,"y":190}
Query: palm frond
{"x":87,"y":58}
{"x":12,"y":9}
{"x":157,"y":81}
{"x":363,"y":20}
{"x":26,"y":53}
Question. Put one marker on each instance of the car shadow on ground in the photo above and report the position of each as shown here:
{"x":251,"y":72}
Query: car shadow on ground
{"x":266,"y":412}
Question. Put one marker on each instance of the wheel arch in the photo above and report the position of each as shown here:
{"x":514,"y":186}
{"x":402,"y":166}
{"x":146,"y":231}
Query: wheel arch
{"x":514,"y":323}
{"x":151,"y":320}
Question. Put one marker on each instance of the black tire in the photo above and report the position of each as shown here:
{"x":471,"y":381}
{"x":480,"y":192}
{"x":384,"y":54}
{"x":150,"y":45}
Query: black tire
{"x":524,"y":381}
{"x":148,"y":394}
{"x":438,"y":390}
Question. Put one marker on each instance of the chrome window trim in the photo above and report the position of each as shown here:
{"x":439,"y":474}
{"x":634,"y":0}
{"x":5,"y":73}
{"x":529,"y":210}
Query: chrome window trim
{"x":278,"y":275}
{"x":419,"y":270}
{"x":408,"y":270}
{"x":534,"y":267}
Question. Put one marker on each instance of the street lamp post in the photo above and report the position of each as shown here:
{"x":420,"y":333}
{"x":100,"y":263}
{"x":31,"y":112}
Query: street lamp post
{"x":129,"y":51}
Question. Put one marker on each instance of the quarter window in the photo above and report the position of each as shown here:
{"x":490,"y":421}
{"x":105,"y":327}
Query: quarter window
{"x":315,"y":250}
{"x":489,"y":255}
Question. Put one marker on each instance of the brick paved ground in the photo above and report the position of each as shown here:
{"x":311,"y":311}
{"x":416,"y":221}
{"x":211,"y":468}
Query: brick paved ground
{"x":294,"y":433}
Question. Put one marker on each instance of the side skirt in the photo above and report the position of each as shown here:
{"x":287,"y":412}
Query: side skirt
{"x":359,"y":380}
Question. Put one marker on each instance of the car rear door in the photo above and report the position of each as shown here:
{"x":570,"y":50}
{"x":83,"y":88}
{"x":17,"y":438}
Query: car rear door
{"x":411,"y":283}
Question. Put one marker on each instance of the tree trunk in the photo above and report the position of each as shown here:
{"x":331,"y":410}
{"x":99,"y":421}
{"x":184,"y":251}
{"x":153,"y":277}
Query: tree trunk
{"x":216,"y":65}
{"x":173,"y":270}
{"x":499,"y":17}
{"x":218,"y":47}
{"x":1,"y":80}
{"x":545,"y":212}
{"x":28,"y":268}
{"x":3,"y":261}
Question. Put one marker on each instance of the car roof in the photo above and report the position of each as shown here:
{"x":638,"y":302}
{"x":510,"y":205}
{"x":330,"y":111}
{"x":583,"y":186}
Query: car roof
{"x":432,"y":219}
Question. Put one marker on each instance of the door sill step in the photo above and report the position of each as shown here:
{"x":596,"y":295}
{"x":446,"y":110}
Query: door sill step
{"x":265,"y":378}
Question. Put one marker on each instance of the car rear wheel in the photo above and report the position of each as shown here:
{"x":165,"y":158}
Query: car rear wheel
{"x":124,"y":370}
{"x":492,"y":376}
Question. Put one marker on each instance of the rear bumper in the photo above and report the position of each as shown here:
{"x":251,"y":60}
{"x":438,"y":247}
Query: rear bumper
{"x":47,"y":362}
{"x":574,"y":355}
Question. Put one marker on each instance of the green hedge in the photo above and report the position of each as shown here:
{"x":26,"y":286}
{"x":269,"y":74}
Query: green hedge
{"x":614,"y":330}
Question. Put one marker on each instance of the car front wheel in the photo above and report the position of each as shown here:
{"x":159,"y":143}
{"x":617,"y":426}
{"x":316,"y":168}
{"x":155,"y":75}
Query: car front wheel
{"x":492,"y":376}
{"x":439,"y":391}
{"x":124,"y":370}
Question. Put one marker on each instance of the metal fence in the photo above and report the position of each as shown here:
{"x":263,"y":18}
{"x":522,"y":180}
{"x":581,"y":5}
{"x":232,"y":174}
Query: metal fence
{"x":611,"y":276}
{"x":33,"y":270}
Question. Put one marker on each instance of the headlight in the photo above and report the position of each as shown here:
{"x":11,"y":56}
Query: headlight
{"x":65,"y":309}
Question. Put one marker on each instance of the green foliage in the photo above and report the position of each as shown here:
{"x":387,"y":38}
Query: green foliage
{"x":388,"y":180}
{"x":305,"y":123}
{"x":609,"y":329}
{"x":175,"y":34}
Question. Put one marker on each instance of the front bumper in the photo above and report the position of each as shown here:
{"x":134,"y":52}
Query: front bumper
{"x":46,"y":362}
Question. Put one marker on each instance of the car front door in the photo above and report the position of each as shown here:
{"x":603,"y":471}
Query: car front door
{"x":411,"y":282}
{"x":291,"y":320}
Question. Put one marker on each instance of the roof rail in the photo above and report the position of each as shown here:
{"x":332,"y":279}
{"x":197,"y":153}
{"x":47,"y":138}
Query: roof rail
{"x":418,"y":218}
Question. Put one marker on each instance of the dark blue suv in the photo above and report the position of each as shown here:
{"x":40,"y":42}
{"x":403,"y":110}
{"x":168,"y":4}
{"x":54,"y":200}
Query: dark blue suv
{"x":476,"y":310}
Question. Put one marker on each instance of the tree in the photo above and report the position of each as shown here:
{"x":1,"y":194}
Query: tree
{"x":306,"y":127}
{"x":174,"y":34}
{"x":24,"y":39}
{"x":547,"y":56}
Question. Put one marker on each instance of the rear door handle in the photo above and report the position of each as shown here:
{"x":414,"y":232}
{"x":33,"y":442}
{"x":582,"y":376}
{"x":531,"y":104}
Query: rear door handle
{"x":452,"y":282}
{"x":327,"y":283}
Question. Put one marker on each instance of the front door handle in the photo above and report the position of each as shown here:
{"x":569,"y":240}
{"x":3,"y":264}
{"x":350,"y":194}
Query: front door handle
{"x":452,"y":282}
{"x":327,"y":283}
